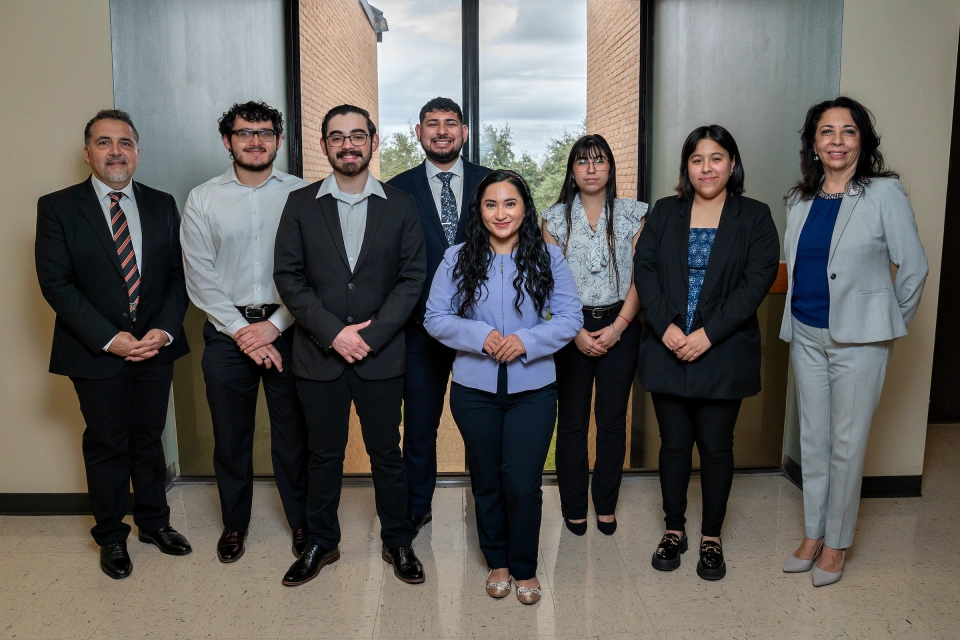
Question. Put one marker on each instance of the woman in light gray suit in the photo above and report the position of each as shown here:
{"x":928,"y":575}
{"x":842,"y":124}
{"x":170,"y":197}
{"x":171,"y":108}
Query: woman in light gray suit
{"x":848,"y":219}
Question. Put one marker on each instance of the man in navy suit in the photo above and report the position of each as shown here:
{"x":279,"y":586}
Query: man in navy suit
{"x":443,"y":186}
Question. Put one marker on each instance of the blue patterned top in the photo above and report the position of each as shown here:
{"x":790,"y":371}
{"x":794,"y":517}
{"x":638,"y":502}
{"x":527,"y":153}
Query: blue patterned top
{"x":700,"y":244}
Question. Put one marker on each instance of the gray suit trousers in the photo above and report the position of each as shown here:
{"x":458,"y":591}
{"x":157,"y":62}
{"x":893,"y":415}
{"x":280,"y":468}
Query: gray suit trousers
{"x":838,"y":388}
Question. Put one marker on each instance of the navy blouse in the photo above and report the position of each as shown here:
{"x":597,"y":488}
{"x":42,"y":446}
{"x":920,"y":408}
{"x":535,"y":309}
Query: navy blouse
{"x":810,"y":303}
{"x":698,"y":252}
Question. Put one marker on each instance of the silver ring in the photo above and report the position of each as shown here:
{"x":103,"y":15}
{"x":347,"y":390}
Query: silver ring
{"x":589,"y":351}
{"x":265,"y":358}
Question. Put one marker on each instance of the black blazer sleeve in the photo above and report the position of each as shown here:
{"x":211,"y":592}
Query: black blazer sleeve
{"x":56,"y":277}
{"x":175,"y":301}
{"x":759,"y":274}
{"x":400,"y":302}
{"x":656,"y":305}
{"x":288,"y":275}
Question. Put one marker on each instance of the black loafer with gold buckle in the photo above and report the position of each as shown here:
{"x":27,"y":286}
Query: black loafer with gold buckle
{"x":667,"y":555}
{"x":711,"y":565}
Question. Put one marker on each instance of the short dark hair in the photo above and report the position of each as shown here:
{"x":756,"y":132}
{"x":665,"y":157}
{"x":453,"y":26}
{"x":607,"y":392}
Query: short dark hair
{"x":441,"y":104}
{"x":343,"y":110}
{"x":722,"y":137}
{"x":251,"y":112}
{"x":109,"y":114}
{"x":870,"y":162}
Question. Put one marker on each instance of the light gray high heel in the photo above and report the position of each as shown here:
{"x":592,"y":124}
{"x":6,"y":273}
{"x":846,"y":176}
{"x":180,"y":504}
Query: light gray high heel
{"x":799,"y":565}
{"x":822,"y":578}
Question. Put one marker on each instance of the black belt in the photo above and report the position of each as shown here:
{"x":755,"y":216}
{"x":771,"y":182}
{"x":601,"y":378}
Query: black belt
{"x":603,"y":312}
{"x":258,"y":312}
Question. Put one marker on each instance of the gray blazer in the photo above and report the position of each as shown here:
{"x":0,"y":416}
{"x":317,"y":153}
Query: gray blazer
{"x":875,"y":227}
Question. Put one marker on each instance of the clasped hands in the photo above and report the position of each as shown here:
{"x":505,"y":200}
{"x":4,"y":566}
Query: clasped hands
{"x":686,"y":347}
{"x":129,"y":348}
{"x":256,"y":340}
{"x":503,"y":349}
{"x":350,"y":345}
{"x":596,"y":343}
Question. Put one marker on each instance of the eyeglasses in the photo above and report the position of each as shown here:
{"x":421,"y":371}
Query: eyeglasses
{"x":247,"y":134}
{"x":337,"y":140}
{"x":598,"y":162}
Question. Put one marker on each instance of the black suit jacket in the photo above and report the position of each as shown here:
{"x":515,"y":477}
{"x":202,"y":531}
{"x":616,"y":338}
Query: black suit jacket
{"x":315,"y":282}
{"x":414,"y":182}
{"x":743,"y":265}
{"x":80,"y":276}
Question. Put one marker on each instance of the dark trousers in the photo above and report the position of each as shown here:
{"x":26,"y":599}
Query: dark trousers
{"x":710,"y":424}
{"x":576,"y":374}
{"x":125,"y":416}
{"x":327,"y":408}
{"x":233,"y":384}
{"x":424,"y":386}
{"x":507,"y":437}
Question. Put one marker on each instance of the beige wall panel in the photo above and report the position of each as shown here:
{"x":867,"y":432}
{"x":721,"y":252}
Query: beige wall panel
{"x":900,"y":60}
{"x":56,"y":70}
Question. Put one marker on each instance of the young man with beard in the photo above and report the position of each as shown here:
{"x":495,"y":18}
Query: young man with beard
{"x":229,"y":228}
{"x":108,"y":262}
{"x":350,"y":265}
{"x":443,"y":186}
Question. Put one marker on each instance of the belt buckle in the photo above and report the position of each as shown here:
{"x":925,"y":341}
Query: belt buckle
{"x":254,"y":312}
{"x":595,"y":310}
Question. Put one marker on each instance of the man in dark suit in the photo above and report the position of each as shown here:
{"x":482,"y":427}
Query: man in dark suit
{"x":443,"y":186}
{"x":108,"y":261}
{"x":350,"y":265}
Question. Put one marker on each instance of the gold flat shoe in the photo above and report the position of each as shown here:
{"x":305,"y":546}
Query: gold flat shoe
{"x":529,"y":595}
{"x":498,"y":589}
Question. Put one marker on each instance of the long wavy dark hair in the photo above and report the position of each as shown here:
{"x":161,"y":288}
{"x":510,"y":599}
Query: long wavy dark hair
{"x":534,"y":275}
{"x":869,"y":164}
{"x":590,"y":147}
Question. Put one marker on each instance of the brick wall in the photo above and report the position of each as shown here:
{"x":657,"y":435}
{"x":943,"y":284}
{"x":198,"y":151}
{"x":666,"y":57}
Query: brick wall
{"x":613,"y":83}
{"x":338,"y":64}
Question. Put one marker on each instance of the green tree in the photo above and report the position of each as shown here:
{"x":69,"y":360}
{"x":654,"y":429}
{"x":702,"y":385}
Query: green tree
{"x":399,"y":152}
{"x":553,"y":168}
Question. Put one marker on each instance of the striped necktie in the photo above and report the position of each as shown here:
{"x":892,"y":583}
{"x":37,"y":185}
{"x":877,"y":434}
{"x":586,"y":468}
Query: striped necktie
{"x":128,"y":261}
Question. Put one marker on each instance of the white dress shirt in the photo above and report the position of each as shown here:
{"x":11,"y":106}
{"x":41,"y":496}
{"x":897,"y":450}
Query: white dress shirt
{"x":227,"y":234}
{"x":352,"y":208}
{"x":436,"y":184}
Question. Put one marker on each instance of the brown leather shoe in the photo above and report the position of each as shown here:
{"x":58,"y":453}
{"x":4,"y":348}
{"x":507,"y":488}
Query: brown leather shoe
{"x":299,"y":541}
{"x":230,"y":546}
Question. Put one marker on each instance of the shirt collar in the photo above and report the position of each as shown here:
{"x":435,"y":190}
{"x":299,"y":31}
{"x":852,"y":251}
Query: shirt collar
{"x":231,"y":176}
{"x":433,"y":170}
{"x":104,"y":190}
{"x":372,"y":187}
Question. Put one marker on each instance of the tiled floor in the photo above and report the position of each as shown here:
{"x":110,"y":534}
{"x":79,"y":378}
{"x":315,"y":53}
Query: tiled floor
{"x":901,"y":579}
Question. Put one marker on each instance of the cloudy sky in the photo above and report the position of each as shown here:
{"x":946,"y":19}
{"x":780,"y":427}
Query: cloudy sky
{"x":533,"y":64}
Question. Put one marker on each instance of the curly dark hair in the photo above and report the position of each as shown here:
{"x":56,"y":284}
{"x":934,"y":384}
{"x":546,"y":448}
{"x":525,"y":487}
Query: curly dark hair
{"x":251,"y":112}
{"x":591,"y":146}
{"x":870,"y":162}
{"x":441,"y":104}
{"x":534,"y":272}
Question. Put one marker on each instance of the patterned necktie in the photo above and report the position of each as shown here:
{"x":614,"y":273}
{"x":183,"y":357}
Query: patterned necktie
{"x":448,"y":208}
{"x":128,"y":261}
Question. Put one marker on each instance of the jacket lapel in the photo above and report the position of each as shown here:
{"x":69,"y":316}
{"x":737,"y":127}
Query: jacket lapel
{"x":375,"y":206}
{"x":331,"y":215}
{"x":149,"y":226}
{"x":843,"y":217}
{"x":726,"y":238}
{"x":793,"y":232}
{"x":93,"y":212}
{"x":425,"y":196}
{"x":471,"y":180}
{"x":683,"y":241}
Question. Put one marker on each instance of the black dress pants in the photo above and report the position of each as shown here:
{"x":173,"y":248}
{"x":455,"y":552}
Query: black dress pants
{"x":708,"y":423}
{"x":125,"y":416}
{"x":424,"y":386}
{"x":233,"y":384}
{"x":507,"y":437}
{"x":576,"y":374}
{"x":327,"y":409}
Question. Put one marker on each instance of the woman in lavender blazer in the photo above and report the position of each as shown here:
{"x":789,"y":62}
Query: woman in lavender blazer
{"x":489,"y":301}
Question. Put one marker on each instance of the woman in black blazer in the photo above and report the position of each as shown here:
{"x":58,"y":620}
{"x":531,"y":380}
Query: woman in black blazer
{"x":704,"y":262}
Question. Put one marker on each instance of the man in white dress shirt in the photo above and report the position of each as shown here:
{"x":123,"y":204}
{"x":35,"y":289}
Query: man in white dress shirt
{"x":228,"y":232}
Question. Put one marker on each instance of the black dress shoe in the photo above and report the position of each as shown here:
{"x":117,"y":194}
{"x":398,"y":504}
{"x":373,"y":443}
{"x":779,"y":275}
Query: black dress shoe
{"x":607,"y":528}
{"x":711,"y":565}
{"x":406,"y":565}
{"x":576,"y":528}
{"x":420,"y":519}
{"x":115,"y":561}
{"x":299,"y":541}
{"x":315,"y":557}
{"x":667,"y":555}
{"x":167,"y":539}
{"x":230,"y":546}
